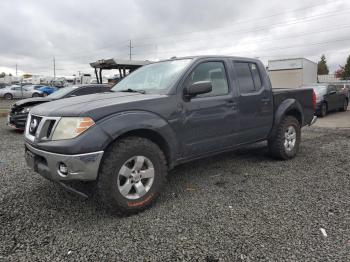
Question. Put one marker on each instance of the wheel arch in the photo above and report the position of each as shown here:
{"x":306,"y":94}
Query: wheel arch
{"x":146,"y":125}
{"x":153,"y":136}
{"x":289,"y":107}
{"x":295,"y":113}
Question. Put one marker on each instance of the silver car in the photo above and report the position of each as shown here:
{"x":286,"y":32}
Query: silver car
{"x":16,"y":91}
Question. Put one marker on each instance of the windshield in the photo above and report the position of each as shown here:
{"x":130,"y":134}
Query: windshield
{"x":62,"y":92}
{"x":320,"y":90}
{"x":153,"y":78}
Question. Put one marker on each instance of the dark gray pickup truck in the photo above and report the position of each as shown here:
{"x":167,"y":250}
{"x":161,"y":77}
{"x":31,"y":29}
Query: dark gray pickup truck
{"x":158,"y":117}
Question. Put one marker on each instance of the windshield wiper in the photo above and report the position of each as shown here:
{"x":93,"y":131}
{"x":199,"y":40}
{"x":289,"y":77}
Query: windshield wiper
{"x":129,"y":90}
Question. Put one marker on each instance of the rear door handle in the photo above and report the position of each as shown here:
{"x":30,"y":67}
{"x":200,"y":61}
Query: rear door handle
{"x":231,"y":103}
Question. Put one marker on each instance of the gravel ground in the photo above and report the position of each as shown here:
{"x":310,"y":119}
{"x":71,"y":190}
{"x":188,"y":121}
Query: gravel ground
{"x":241,"y":206}
{"x":6,"y":104}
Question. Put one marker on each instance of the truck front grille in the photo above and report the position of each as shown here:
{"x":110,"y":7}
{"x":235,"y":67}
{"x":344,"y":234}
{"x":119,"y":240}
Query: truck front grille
{"x":34,"y":124}
{"x":39,"y":127}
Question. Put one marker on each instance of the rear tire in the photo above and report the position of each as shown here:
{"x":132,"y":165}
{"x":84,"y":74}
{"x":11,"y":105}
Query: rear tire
{"x":285,"y":143}
{"x":35,"y":95}
{"x":324,"y":110}
{"x":8,"y":96}
{"x":345,"y":106}
{"x":126,"y":184}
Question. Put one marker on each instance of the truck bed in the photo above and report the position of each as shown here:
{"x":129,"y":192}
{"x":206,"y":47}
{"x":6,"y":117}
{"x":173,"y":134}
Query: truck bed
{"x":303,"y":95}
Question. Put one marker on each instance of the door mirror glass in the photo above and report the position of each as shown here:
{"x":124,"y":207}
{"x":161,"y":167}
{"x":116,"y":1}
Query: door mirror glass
{"x":198,"y":88}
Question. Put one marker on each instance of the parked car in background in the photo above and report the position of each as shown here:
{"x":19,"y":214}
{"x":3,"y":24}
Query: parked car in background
{"x":344,"y":88}
{"x":17,"y":91}
{"x":48,"y":90}
{"x":33,"y":87}
{"x":329,"y":98}
{"x":19,"y":110}
{"x":3,"y":85}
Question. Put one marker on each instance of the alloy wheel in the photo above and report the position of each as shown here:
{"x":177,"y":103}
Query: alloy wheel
{"x":135,"y":177}
{"x":290,"y":137}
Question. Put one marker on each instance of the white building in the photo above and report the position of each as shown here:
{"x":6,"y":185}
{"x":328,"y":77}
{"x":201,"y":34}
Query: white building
{"x":292,"y":73}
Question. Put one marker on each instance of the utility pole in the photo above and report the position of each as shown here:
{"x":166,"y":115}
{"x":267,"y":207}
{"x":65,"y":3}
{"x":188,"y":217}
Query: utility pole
{"x":54,"y":68}
{"x":16,"y":69}
{"x":130,"y":47}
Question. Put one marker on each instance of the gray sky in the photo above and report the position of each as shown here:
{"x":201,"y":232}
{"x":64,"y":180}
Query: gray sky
{"x":81,"y":31}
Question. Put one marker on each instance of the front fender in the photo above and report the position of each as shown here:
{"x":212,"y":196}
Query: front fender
{"x":119,"y":124}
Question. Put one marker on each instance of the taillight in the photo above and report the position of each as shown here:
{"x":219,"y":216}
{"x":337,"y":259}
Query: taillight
{"x":314,"y":99}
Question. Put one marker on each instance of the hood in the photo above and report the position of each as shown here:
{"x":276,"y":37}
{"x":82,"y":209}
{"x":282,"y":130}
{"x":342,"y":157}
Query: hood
{"x":98,"y":105}
{"x":31,"y":101}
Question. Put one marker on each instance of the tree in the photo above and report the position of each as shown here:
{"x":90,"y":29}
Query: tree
{"x":339,"y":72}
{"x":346,"y":72}
{"x":2,"y":75}
{"x":322,"y":68}
{"x":27,"y":75}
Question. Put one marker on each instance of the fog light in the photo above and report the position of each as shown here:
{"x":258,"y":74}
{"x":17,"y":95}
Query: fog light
{"x":63,"y":169}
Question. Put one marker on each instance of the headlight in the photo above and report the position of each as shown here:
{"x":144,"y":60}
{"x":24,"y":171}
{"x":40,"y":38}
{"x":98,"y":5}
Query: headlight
{"x":70,"y":127}
{"x":25,"y":110}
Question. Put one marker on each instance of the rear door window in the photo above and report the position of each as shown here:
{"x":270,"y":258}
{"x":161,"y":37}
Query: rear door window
{"x":256,"y":75}
{"x":248,"y":77}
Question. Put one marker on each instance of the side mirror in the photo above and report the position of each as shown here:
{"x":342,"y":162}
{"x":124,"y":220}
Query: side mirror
{"x":198,"y":88}
{"x":332,"y":92}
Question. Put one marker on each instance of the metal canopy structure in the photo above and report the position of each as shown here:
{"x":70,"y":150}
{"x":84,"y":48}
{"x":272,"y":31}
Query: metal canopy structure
{"x":122,"y":65}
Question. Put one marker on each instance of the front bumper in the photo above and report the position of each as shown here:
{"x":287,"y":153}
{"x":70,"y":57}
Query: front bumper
{"x":17,"y":121}
{"x":83,"y":167}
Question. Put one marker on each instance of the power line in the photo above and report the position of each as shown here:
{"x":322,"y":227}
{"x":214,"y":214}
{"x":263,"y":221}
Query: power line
{"x":171,"y":52}
{"x":266,"y":27}
{"x":239,"y":22}
{"x":337,"y":28}
{"x":305,"y":19}
{"x":273,"y":49}
{"x":276,"y":25}
{"x":242,"y":21}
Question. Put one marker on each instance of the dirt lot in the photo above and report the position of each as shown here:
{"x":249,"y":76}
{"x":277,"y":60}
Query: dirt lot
{"x":5,"y":104}
{"x":241,"y":206}
{"x":335,"y":120}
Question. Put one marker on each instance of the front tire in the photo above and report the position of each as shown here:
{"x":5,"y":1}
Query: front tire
{"x":132,"y":175}
{"x":35,"y":95}
{"x":345,"y":106}
{"x":285,"y":143}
